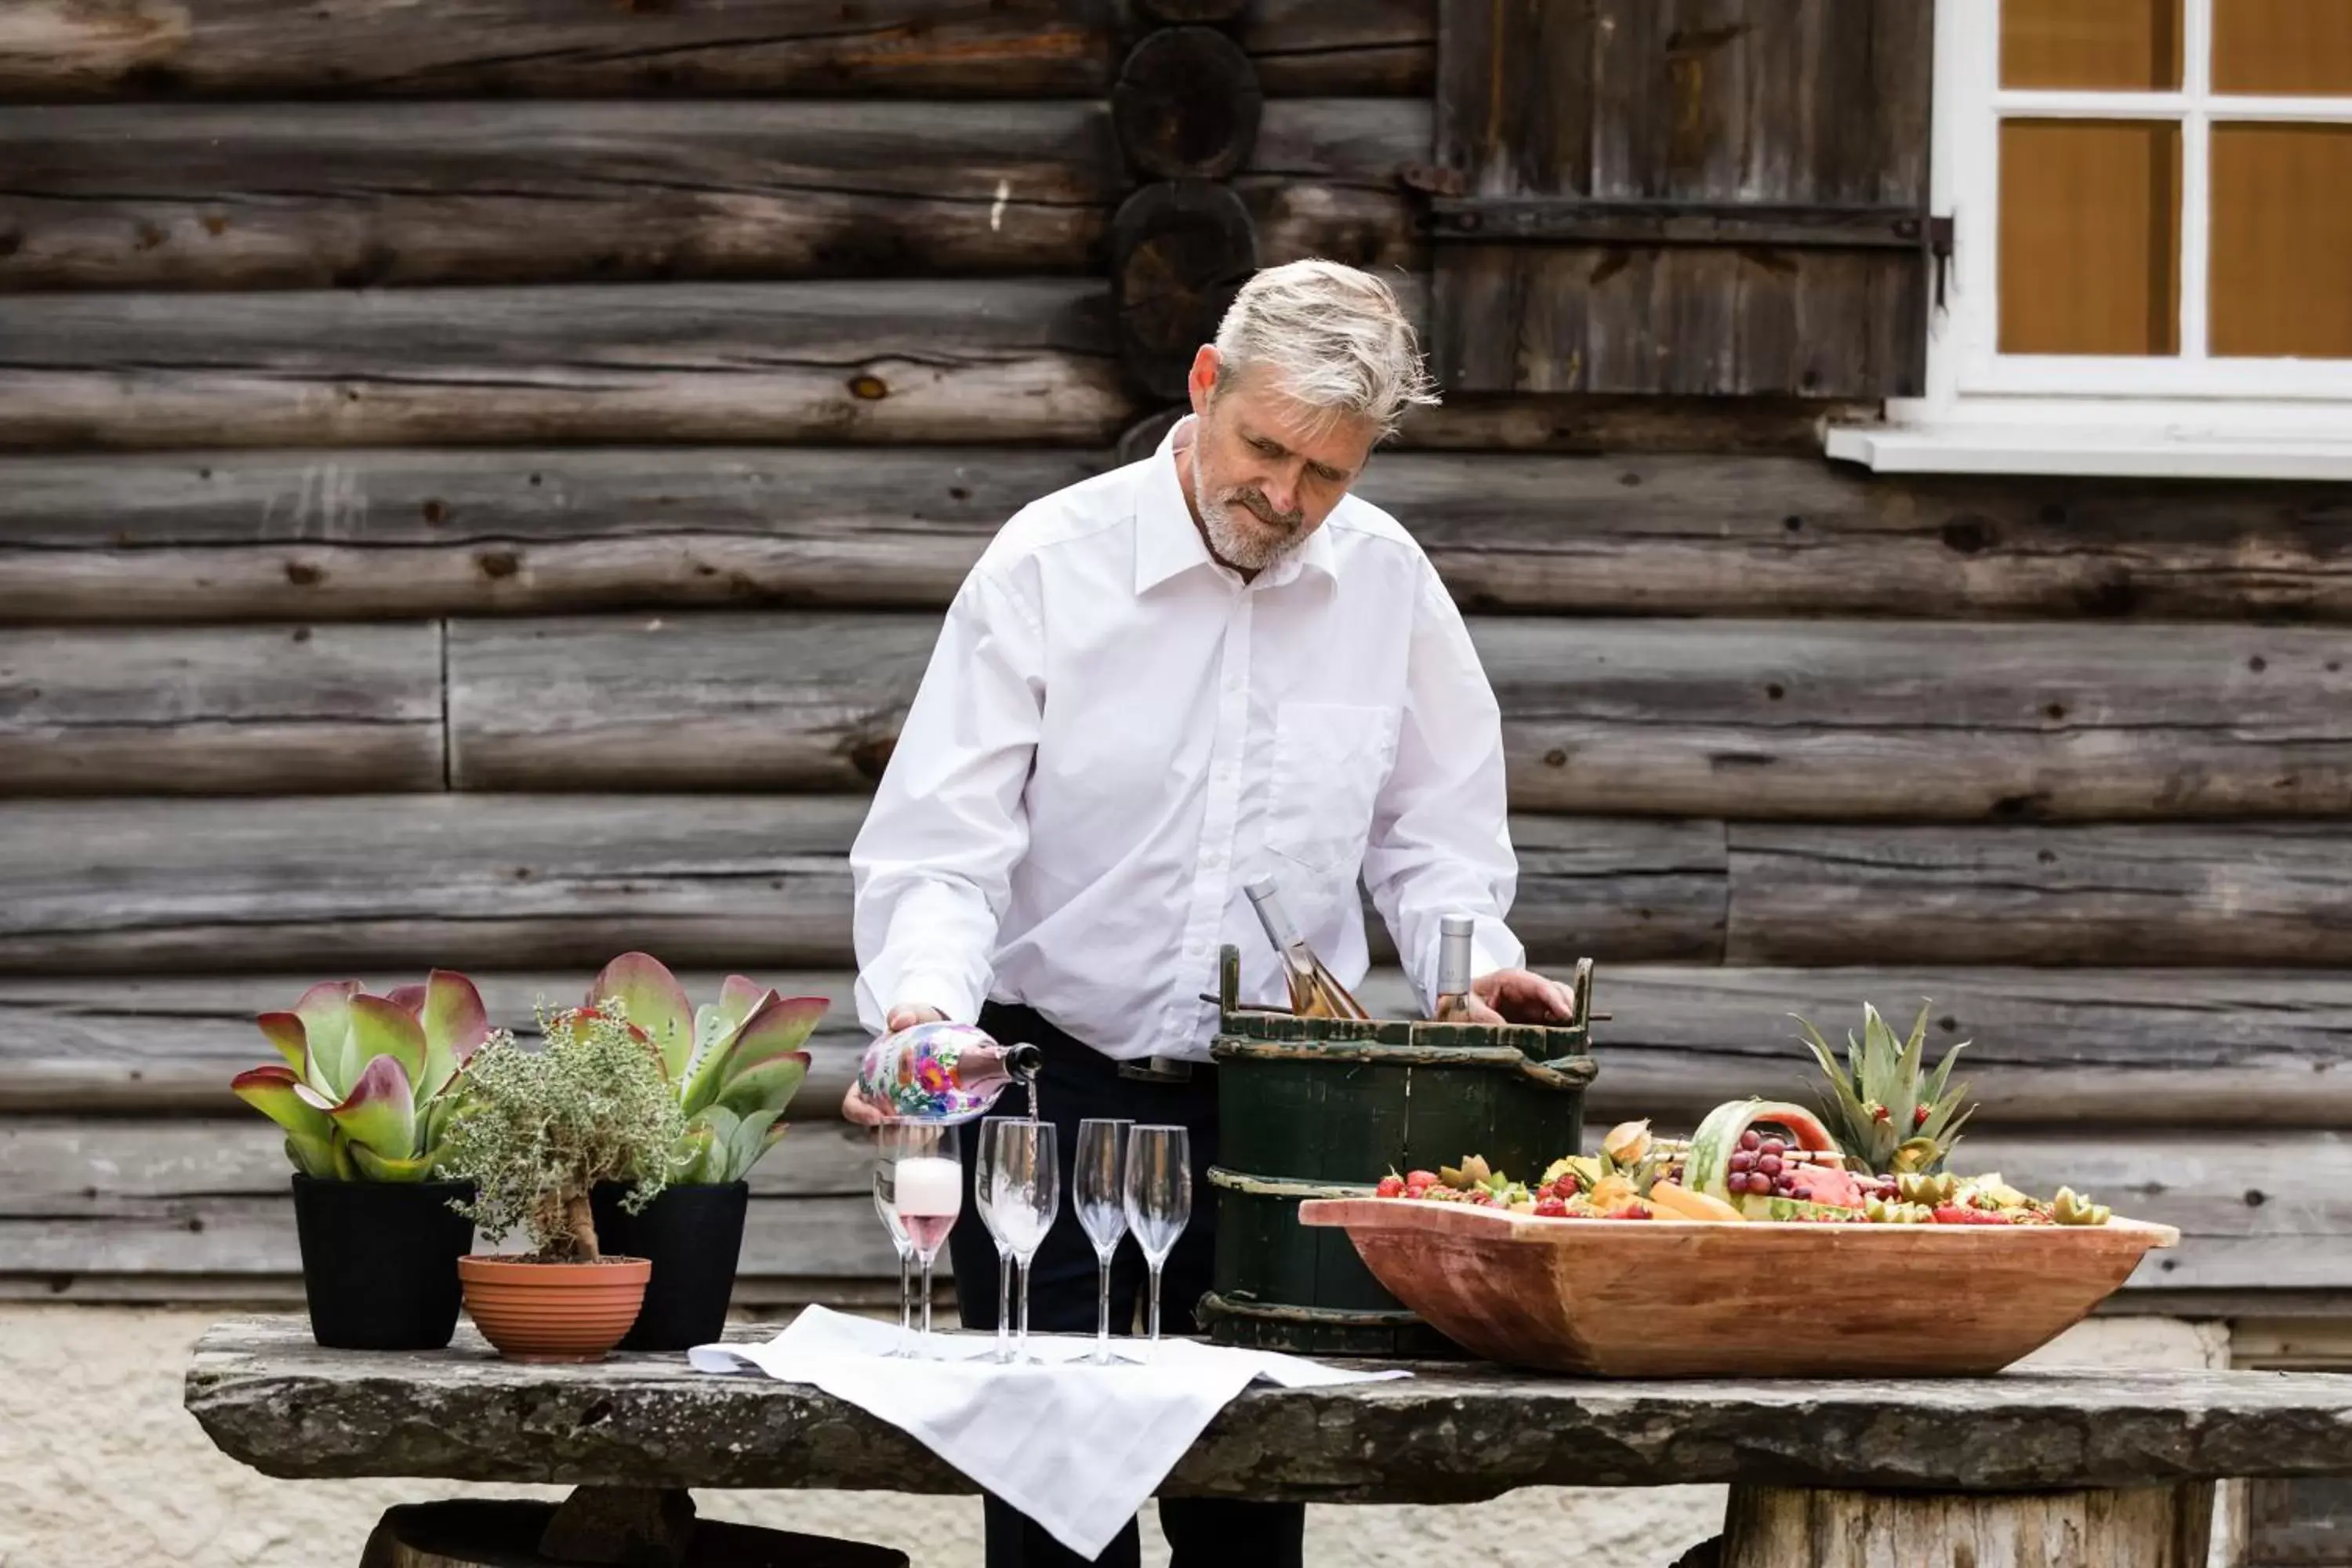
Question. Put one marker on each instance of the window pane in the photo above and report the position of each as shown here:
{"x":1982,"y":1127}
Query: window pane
{"x":2283,"y":46}
{"x":2282,"y":267}
{"x":2121,"y":44}
{"x":2090,"y":237}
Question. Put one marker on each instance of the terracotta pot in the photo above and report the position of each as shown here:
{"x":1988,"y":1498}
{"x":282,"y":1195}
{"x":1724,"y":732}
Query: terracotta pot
{"x":553,"y":1311}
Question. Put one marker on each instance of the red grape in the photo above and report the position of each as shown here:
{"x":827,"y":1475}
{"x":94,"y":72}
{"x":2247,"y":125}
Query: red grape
{"x":1770,"y":1164}
{"x":1750,"y":1139}
{"x":1775,"y":1146}
{"x":1743,"y":1160}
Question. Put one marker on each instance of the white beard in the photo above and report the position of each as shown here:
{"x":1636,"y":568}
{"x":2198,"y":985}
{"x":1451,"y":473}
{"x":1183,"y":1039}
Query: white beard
{"x":1242,"y":541}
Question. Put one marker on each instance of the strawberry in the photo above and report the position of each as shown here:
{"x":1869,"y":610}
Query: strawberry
{"x":1418,"y":1181}
{"x":1566,"y":1187}
{"x":1391,"y":1186}
{"x":1552,"y":1208}
{"x":1631,"y":1212}
{"x":1956,"y":1213}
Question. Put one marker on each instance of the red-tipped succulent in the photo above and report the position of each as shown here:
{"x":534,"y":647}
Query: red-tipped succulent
{"x":734,"y":1063}
{"x":369,"y":1082}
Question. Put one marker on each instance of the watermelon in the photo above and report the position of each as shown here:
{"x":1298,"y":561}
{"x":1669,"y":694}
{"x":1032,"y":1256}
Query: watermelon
{"x":1821,"y":1184}
{"x":1707,"y":1166}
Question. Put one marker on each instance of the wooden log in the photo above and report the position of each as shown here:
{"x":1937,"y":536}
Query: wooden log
{"x":1826,"y":721}
{"x":205,"y":195}
{"x":261,"y":536}
{"x":148,"y":1045}
{"x":1186,"y":105}
{"x":336,"y":535}
{"x":1194,"y":10}
{"x":693,"y":49}
{"x":1179,"y":252}
{"x":2047,"y":1048}
{"x":1017,"y":361}
{"x":2140,"y":1526}
{"x":256,"y":709}
{"x":488,"y":881}
{"x":2253,"y":893}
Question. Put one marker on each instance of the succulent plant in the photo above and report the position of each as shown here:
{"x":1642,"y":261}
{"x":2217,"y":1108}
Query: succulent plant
{"x":367,"y":1087}
{"x":733,"y":1064}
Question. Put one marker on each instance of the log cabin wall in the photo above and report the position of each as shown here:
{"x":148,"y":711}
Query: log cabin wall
{"x":481,"y":478}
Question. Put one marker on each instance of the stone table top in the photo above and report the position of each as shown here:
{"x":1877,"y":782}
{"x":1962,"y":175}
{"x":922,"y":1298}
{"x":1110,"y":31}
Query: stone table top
{"x":1454,"y":1432}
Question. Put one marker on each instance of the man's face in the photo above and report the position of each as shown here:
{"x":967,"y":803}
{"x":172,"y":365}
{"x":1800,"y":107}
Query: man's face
{"x":1266,"y":469}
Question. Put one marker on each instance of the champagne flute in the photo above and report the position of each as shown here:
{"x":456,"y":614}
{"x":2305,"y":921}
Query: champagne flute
{"x":1026,"y":1193}
{"x":926,"y":1191}
{"x":905,"y":1249}
{"x":983,"y":1181}
{"x":1099,"y":1191}
{"x":1158,"y":1197}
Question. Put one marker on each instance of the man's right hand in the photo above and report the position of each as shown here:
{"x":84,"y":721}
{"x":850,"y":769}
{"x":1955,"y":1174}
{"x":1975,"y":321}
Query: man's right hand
{"x":857,"y":1108}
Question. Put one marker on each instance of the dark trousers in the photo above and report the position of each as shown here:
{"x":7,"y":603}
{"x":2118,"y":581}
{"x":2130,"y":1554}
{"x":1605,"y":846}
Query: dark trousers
{"x":1077,"y":1084}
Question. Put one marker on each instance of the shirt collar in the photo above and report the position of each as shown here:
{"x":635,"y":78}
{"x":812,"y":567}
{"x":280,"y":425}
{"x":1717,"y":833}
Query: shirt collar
{"x":1168,"y":543}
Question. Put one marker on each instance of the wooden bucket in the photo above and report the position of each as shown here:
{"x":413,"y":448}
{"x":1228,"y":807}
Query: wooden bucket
{"x":1314,"y":1107}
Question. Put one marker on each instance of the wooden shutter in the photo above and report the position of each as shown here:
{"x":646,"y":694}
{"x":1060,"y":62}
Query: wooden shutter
{"x":1688,"y":196}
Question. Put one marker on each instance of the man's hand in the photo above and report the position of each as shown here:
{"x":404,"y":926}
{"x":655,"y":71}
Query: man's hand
{"x":854,"y":1107}
{"x":1516,"y":997}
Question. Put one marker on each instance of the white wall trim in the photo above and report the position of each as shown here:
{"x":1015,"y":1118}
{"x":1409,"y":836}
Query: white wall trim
{"x":2106,"y":453}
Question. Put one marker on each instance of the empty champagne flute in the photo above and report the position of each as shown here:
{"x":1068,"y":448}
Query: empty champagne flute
{"x":984,"y":1168}
{"x":926,"y":1180}
{"x":1158,"y":1197}
{"x":1025,"y":1191}
{"x":906,"y":1249}
{"x":1098,"y":1190}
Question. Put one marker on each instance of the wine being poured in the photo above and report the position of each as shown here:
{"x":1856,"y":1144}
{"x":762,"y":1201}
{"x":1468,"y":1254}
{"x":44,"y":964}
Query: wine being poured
{"x":944,"y":1073}
{"x":1314,"y":993}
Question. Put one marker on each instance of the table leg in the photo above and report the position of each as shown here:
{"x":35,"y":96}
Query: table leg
{"x":2138,"y":1527}
{"x":623,"y":1526}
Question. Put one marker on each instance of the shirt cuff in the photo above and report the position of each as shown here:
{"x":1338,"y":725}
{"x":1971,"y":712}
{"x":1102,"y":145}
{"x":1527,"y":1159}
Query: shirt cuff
{"x":934,"y":988}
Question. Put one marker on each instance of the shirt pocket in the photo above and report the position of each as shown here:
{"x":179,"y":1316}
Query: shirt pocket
{"x":1329,"y":761}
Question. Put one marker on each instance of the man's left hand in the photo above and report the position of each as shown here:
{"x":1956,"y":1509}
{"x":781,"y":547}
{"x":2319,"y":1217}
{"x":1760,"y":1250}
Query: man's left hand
{"x":1517,"y":996}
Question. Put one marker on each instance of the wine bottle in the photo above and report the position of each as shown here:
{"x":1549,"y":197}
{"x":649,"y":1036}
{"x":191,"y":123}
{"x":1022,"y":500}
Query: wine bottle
{"x":1314,"y":993}
{"x":1453,"y":966}
{"x":943,"y":1072}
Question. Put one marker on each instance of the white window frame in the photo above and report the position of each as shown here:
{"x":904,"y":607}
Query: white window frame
{"x":2190,"y":415}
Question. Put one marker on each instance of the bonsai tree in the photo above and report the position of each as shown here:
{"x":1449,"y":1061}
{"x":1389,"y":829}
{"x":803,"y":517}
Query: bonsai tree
{"x":732,"y":1066}
{"x":368,"y":1085}
{"x":539,"y":1128}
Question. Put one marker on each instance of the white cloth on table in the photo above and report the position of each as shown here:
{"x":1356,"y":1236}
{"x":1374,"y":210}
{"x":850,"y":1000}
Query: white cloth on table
{"x":1075,"y":1447}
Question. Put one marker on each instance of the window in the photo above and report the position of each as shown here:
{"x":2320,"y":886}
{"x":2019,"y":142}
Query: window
{"x":2151,"y":265}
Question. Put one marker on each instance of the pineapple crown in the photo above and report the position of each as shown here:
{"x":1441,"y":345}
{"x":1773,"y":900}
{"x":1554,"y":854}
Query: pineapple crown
{"x":1884,"y":1105}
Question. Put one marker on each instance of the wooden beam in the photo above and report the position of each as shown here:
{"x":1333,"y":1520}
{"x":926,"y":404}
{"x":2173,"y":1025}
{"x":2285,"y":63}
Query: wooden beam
{"x":1015,"y":360}
{"x":486,"y":881}
{"x":2046,"y":1048}
{"x":337,"y":534}
{"x":2256,"y":893}
{"x":1823,"y":720}
{"x":206,"y":195}
{"x":585,"y":49}
{"x":1186,"y":105}
{"x":255,"y":709}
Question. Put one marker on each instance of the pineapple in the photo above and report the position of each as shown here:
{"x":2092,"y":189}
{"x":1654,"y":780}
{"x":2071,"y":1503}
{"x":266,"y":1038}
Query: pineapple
{"x":1883,"y":1114}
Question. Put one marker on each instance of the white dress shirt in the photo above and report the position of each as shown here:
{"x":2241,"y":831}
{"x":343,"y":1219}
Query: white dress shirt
{"x":1115,"y":732}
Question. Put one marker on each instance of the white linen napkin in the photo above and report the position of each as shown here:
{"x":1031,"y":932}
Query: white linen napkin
{"x":1076,"y":1447}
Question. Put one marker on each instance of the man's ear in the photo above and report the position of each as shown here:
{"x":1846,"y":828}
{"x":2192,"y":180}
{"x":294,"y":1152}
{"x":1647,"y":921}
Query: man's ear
{"x":1202,"y":383}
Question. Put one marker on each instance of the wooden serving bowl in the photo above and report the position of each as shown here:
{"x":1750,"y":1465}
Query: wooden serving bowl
{"x":1685,"y":1299}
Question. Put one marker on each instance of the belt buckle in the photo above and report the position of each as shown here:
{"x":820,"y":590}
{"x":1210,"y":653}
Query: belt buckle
{"x":1157,"y":1070}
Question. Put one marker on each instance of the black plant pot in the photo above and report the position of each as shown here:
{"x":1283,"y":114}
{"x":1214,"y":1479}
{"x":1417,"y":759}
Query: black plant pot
{"x":380,"y":1261}
{"x":694,"y":1237}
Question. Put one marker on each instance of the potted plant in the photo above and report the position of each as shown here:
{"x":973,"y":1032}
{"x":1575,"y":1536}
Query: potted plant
{"x":365,"y":1094}
{"x":733,"y":1066}
{"x":537,"y":1129}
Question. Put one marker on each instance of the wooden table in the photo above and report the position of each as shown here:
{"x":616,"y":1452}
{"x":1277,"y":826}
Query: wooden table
{"x":2123,"y":1461}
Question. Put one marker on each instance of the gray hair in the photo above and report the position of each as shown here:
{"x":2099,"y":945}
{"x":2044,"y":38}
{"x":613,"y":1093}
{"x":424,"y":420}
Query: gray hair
{"x":1331,"y":337}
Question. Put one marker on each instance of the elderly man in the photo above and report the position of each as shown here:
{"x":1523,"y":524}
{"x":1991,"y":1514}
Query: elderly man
{"x":1156,"y":686}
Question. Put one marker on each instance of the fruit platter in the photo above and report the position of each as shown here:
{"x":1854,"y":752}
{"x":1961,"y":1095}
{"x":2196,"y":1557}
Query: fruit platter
{"x":1770,"y":1242}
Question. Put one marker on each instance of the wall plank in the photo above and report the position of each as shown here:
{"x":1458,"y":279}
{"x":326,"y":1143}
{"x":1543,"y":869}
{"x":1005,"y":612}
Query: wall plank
{"x":307,"y":196}
{"x":260,"y":709}
{"x":1756,"y":719}
{"x":587,"y":48}
{"x":207,"y":1198}
{"x":2252,"y":893}
{"x":281,"y":535}
{"x":486,"y":881}
{"x":2047,"y":1048}
{"x":1013,"y":361}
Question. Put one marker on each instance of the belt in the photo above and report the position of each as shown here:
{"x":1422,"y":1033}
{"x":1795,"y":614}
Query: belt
{"x":1157,"y":1070}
